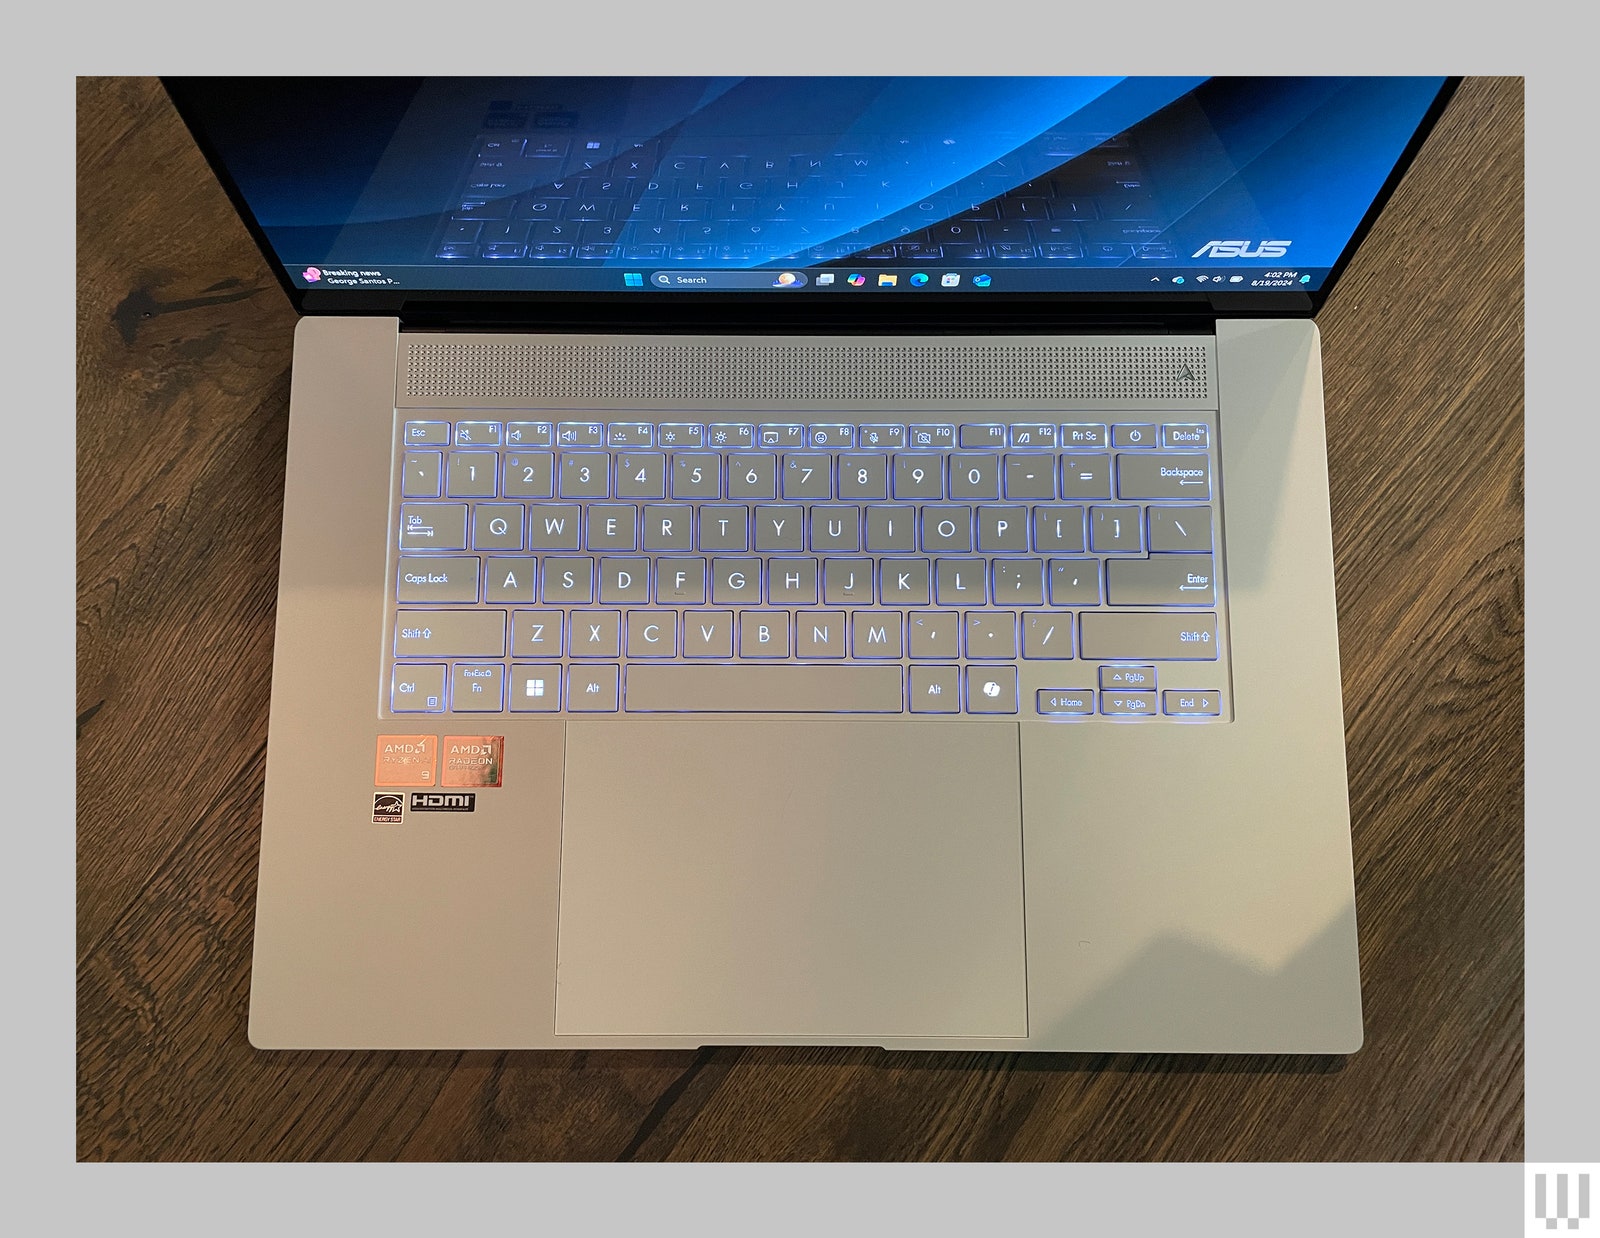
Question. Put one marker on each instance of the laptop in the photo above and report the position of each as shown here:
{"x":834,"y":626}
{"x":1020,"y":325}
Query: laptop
{"x":807,"y":560}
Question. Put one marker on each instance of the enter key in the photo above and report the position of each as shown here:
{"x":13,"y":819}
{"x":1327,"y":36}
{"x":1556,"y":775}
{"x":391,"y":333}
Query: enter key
{"x":1161,"y":580}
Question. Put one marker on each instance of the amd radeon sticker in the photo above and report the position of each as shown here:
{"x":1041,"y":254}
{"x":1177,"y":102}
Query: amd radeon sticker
{"x":443,"y":801}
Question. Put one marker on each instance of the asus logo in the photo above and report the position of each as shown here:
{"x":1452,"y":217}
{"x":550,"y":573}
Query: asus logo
{"x":1241,"y":249}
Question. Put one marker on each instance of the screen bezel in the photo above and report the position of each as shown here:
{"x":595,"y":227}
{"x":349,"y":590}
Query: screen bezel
{"x":648,"y":310}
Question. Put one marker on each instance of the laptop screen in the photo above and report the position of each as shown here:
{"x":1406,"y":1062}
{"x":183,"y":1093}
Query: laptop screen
{"x":808,"y":187}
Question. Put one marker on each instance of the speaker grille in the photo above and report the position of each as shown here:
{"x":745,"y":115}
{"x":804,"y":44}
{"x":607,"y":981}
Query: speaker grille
{"x":833,"y":371}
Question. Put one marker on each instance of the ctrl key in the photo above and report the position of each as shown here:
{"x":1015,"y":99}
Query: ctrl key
{"x":417,"y":690}
{"x":1065,"y":701}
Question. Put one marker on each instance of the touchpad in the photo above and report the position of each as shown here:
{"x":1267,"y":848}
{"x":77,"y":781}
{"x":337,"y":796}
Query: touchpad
{"x":791,"y":879}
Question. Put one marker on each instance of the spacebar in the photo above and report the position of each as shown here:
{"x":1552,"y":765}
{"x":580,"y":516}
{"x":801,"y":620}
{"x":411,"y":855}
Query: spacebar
{"x":763,"y":689}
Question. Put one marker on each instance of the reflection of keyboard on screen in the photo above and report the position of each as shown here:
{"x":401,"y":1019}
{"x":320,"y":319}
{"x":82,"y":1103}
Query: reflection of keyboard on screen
{"x":979,"y":567}
{"x":1060,"y":198}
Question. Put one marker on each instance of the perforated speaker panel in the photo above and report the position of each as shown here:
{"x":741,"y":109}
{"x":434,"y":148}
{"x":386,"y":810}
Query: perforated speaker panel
{"x":1171,"y":372}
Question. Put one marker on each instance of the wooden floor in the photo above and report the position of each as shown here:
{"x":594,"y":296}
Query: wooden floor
{"x":184,"y":346}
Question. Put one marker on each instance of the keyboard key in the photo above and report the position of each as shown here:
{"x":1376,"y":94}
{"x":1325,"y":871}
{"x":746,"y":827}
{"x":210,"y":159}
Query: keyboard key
{"x":1058,"y":529}
{"x":1190,"y":704}
{"x":1147,"y":637}
{"x":891,"y":529}
{"x":982,"y":436}
{"x":681,"y":581}
{"x":433,"y":526}
{"x":876,"y":634}
{"x":1003,"y":529}
{"x":1074,"y":582}
{"x":765,"y":689}
{"x":681,"y":434}
{"x":1163,"y":477}
{"x":764,"y":634}
{"x":1114,"y":530}
{"x":1083,"y":435}
{"x":537,"y":634}
{"x":419,"y":473}
{"x":529,"y":434}
{"x":477,"y":434}
{"x":585,"y":475}
{"x":831,"y":434}
{"x":630,"y":434}
{"x":1046,"y":636}
{"x":991,"y":689}
{"x":731,"y":434}
{"x":477,"y":689}
{"x":1065,"y":701}
{"x":905,"y":582}
{"x":1180,"y":529}
{"x":592,"y":689}
{"x":1161,"y":580}
{"x":724,"y":527}
{"x":1085,"y":476}
{"x":535,"y":689}
{"x":580,"y":434}
{"x":752,"y":476}
{"x":668,"y":527}
{"x":471,"y":474}
{"x":641,"y":475}
{"x":882,"y":435}
{"x":863,"y":477}
{"x":946,"y":528}
{"x":1128,"y":704}
{"x":928,"y":435}
{"x":1030,"y":476}
{"x":975,"y":476}
{"x":507,"y":581}
{"x":1185,"y":435}
{"x":652,"y":633}
{"x":935,"y":634}
{"x":708,"y":634}
{"x":935,"y":689}
{"x":450,"y":634}
{"x":819,"y":634}
{"x":1142,"y":435}
{"x":417,"y":689}
{"x":497,"y":526}
{"x":529,"y":475}
{"x":1019,"y":582}
{"x":836,"y":528}
{"x":1123,"y":678}
{"x":786,"y":434}
{"x":735,"y":582}
{"x":847,"y":582}
{"x":1035,"y":435}
{"x":697,"y":476}
{"x":918,"y":476}
{"x":427,"y":433}
{"x":554,"y":526}
{"x":960,"y":582}
{"x":991,"y":634}
{"x":792,"y":582}
{"x":807,"y":476}
{"x":567,"y":580}
{"x":610,"y":526}
{"x":624,"y":580}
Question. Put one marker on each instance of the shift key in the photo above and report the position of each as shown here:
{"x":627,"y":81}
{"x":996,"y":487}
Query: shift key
{"x":450,"y":634}
{"x":1138,"y":637}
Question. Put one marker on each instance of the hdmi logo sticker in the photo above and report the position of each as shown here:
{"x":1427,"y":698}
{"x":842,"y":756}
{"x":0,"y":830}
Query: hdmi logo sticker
{"x":443,"y":801}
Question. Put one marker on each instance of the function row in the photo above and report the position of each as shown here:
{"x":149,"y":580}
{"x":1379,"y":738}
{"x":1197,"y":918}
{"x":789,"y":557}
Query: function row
{"x":779,"y":528}
{"x":850,"y":476}
{"x":869,"y":635}
{"x":468,"y":687}
{"x":886,"y":436}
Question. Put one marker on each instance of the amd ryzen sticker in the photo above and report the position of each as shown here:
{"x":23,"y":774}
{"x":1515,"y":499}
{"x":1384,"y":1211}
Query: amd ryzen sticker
{"x":406,"y":760}
{"x":472,"y":760}
{"x":386,"y":808}
{"x":442,"y":801}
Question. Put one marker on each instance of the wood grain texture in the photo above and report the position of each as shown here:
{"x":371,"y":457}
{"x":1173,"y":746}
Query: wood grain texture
{"x":184,"y":350}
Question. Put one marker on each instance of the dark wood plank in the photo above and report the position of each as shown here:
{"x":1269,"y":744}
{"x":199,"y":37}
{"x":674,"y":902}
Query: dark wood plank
{"x":184,"y":345}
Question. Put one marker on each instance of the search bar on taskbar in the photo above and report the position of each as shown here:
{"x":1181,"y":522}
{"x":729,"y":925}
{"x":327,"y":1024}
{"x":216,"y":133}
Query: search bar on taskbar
{"x":711,"y":281}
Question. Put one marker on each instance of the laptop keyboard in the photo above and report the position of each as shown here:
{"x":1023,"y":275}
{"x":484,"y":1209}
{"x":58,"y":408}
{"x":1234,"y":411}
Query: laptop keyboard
{"x":1062,"y":569}
{"x":1072,"y":199}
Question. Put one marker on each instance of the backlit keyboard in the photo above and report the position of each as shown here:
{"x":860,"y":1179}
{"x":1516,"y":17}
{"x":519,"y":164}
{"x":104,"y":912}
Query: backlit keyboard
{"x":1066,"y":569}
